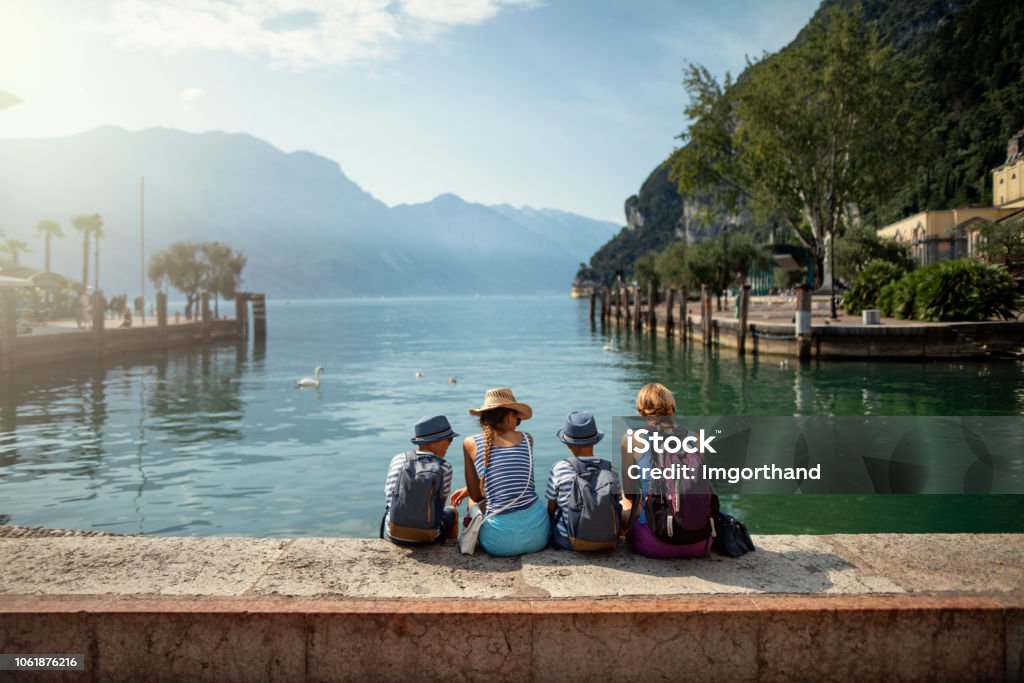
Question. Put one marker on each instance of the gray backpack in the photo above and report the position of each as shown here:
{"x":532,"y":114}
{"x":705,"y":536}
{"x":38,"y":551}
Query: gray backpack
{"x":594,"y":514}
{"x":415,"y":512}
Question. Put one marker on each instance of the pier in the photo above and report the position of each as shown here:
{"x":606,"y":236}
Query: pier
{"x":801,"y":326}
{"x":64,"y":340}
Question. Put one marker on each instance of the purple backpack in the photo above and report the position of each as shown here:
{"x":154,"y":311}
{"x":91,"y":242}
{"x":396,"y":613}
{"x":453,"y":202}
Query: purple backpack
{"x":678,"y":511}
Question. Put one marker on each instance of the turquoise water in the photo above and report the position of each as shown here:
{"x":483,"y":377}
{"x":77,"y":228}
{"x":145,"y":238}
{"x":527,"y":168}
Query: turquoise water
{"x":219,"y":440}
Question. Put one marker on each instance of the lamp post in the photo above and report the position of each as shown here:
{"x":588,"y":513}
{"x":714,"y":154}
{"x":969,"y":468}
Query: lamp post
{"x":725,"y":264}
{"x":832,"y":254}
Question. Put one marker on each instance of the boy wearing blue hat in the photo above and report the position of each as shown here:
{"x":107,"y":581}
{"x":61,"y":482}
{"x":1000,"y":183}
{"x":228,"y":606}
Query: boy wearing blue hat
{"x":583,"y":490}
{"x":417,"y":486}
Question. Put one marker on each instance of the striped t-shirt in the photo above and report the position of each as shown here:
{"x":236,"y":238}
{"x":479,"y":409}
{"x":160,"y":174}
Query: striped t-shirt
{"x":395,"y":471}
{"x":560,"y":485}
{"x":508,"y":474}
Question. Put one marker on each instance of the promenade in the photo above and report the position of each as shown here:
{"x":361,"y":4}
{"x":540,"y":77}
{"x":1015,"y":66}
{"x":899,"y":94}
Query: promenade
{"x":842,"y":607}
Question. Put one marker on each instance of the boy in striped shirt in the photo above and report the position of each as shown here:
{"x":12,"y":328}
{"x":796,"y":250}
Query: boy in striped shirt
{"x":580,"y":435}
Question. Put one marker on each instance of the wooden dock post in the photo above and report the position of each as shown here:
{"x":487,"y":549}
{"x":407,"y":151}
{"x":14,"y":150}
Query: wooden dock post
{"x":684,"y":321}
{"x":242,"y":315}
{"x":204,"y":308}
{"x":593,"y":304}
{"x":670,"y":322}
{"x":652,"y":315}
{"x":98,"y":307}
{"x":803,"y":321}
{"x":8,"y":328}
{"x":161,"y":317}
{"x":627,"y":318}
{"x":741,"y":332}
{"x":259,"y":316}
{"x":637,"y":315}
{"x":707,"y":306}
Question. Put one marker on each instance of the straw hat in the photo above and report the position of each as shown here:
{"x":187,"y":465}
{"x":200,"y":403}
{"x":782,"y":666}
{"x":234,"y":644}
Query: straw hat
{"x":503,"y":398}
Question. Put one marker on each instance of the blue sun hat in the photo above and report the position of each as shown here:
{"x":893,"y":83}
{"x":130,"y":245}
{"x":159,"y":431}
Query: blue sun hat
{"x":431,"y":429}
{"x":580,"y":429}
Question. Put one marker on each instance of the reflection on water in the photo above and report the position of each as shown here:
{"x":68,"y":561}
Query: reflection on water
{"x":219,"y":440}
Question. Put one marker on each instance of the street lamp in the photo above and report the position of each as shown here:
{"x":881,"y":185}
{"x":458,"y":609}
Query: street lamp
{"x":725,"y":264}
{"x":832,"y":254}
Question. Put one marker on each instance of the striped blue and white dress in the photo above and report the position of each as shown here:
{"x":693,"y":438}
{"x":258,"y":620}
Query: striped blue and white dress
{"x":506,"y":477}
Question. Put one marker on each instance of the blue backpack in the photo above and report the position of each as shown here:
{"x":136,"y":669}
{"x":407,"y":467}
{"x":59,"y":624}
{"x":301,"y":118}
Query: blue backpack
{"x":594,"y":514}
{"x":415,"y":512}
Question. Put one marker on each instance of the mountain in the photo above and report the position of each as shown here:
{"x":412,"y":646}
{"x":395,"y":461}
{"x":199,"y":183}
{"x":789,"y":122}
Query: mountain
{"x":307,"y":229}
{"x":970,"y":63}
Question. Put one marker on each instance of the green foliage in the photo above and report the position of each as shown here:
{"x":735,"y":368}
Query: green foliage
{"x":869,"y":284}
{"x":1004,"y":243}
{"x":13,"y":248}
{"x":671,"y":264}
{"x":788,"y":279}
{"x":947,"y":291}
{"x":861,"y":245}
{"x":645,"y":271}
{"x":816,"y":128}
{"x":192,"y":267}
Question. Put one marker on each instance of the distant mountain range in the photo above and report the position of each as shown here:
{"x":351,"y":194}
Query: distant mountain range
{"x":307,"y":229}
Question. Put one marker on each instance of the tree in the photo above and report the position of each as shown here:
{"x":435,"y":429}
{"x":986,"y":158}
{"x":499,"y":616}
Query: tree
{"x":1003,"y":243}
{"x":224,"y":271}
{"x":645,"y":271}
{"x":86,"y":224}
{"x":48,"y":230}
{"x":860,"y":245}
{"x":14,"y":247}
{"x":671,"y":264}
{"x":192,"y":267}
{"x":807,"y":135}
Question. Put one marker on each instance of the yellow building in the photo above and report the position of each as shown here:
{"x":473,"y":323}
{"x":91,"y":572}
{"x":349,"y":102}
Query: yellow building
{"x":939,"y":235}
{"x":1008,"y":179}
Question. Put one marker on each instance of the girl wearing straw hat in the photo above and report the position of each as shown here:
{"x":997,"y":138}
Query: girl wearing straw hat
{"x":499,"y":478}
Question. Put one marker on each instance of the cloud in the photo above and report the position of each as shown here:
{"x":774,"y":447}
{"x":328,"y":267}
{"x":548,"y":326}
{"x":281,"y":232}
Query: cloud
{"x":291,"y":34}
{"x":190,"y":96}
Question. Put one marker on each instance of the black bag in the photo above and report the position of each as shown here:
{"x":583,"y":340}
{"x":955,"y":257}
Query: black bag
{"x":731,"y":536}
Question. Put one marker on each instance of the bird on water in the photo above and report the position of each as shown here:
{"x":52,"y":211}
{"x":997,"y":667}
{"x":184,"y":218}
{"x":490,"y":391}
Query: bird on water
{"x":313,"y":381}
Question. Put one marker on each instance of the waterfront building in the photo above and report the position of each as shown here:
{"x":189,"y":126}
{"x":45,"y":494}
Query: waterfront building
{"x":954,"y":233}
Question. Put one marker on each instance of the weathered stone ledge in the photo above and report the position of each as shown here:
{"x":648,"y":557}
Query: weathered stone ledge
{"x":843,"y":607}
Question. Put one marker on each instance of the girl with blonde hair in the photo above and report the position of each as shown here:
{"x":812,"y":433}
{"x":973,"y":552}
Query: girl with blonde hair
{"x":667,"y":519}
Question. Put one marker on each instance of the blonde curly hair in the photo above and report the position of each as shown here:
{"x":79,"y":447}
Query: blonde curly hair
{"x":656,"y":400}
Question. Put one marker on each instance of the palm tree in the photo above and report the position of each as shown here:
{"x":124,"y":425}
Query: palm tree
{"x":14,"y":247}
{"x":49,"y":230}
{"x":86,"y":224}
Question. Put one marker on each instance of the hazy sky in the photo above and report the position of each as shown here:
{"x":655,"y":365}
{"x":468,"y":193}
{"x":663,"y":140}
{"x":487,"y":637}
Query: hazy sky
{"x":565,"y":104}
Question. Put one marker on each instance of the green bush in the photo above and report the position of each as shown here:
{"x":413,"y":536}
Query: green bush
{"x":869,"y":284}
{"x":949,"y":291}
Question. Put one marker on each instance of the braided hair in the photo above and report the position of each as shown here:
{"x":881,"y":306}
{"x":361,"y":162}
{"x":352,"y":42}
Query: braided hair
{"x":489,"y":419}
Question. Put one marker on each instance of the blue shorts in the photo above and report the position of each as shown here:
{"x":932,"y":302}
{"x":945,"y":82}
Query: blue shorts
{"x":448,"y":518}
{"x":517,"y":533}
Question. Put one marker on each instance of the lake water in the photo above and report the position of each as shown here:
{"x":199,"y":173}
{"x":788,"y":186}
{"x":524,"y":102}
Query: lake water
{"x":219,"y":441}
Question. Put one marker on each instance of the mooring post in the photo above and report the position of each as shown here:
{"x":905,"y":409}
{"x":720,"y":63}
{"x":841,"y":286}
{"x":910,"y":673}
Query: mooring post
{"x":670,"y":303}
{"x":99,"y":322}
{"x":8,"y":328}
{"x":637,"y":316}
{"x":161,"y":317}
{"x":204,"y":308}
{"x":684,"y":321}
{"x":241,"y":315}
{"x":802,"y":320}
{"x":741,"y":332}
{"x":707,"y":306}
{"x":259,"y":316}
{"x":627,"y":318}
{"x":652,"y":315}
{"x":593,"y":304}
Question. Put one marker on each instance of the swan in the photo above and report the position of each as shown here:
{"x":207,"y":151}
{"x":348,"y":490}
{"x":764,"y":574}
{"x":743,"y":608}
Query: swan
{"x":418,"y":375}
{"x":453,"y":380}
{"x":313,"y":381}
